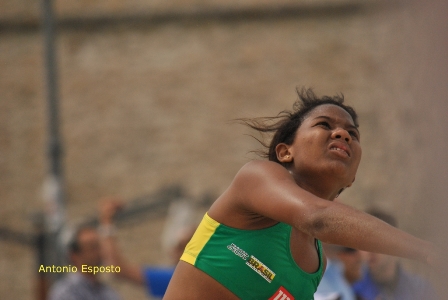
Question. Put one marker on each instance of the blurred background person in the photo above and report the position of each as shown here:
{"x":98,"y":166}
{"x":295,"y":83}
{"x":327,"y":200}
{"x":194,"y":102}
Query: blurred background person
{"x":175,"y":237}
{"x":352,"y":261}
{"x":386,"y":279}
{"x":344,"y":266}
{"x":83,"y":250}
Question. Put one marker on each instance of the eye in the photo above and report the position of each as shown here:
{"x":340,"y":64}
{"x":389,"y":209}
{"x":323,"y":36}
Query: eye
{"x":354,"y":134}
{"x":324,"y":124}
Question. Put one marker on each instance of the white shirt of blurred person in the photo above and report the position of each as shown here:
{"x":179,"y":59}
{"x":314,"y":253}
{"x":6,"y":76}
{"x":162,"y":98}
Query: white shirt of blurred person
{"x":385,"y":279}
{"x":154,"y":278}
{"x":344,"y":266}
{"x":84,"y":252}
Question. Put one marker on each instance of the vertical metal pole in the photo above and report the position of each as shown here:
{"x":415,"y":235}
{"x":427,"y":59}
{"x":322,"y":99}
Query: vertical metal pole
{"x":53,"y":188}
{"x":42,"y":281}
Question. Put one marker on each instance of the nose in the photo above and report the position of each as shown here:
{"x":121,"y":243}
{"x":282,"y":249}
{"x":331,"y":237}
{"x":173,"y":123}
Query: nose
{"x":341,"y":133}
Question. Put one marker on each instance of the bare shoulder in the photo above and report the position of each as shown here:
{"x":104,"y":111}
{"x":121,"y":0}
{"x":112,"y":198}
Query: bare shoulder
{"x":261,"y":164}
{"x":258,"y":178}
{"x":236,"y":206}
{"x":261,"y":169}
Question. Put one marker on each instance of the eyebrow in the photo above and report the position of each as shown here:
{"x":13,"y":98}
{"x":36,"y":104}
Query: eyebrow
{"x":331,"y":119}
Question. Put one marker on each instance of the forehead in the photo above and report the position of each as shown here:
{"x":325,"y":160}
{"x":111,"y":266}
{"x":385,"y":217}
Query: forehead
{"x":331,"y":111}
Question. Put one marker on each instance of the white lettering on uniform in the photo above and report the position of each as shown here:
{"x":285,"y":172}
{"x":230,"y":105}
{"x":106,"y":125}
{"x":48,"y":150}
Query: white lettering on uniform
{"x":280,"y":294}
{"x":238,"y":251}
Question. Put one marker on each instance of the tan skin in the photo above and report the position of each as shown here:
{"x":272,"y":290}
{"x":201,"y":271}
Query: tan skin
{"x":324,"y":158}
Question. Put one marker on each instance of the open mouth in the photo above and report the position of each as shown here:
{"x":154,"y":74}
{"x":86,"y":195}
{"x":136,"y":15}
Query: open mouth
{"x":341,"y":150}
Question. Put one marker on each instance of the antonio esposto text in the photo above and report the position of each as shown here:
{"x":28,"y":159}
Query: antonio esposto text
{"x":83,"y":269}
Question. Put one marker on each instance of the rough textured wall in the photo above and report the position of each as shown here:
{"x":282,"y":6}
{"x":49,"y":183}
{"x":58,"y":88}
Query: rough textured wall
{"x":30,"y":9}
{"x":149,"y":104}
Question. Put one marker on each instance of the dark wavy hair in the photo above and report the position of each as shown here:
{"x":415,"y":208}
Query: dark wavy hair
{"x":284,"y":126}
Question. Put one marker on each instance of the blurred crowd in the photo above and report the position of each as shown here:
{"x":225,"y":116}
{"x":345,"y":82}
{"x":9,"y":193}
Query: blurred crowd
{"x":350,"y":274}
{"x":94,"y":251}
{"x":358,"y":275}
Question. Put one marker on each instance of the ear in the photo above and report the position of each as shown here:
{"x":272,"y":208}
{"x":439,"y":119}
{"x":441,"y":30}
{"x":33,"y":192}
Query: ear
{"x":283,"y":153}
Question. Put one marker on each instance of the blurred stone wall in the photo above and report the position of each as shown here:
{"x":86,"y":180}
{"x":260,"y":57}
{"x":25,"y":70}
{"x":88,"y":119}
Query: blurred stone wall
{"x":148,"y":91}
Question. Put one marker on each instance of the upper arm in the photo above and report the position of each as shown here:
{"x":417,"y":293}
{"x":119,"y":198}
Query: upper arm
{"x":267,"y":189}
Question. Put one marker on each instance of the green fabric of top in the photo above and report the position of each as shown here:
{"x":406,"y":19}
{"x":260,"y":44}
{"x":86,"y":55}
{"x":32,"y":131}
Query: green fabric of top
{"x":257,"y":264}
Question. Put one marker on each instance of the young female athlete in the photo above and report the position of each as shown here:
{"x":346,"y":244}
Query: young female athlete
{"x":261,"y":238}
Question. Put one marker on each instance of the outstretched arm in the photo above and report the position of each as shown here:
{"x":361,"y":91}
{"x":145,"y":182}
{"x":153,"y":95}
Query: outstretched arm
{"x":267,"y":189}
{"x":109,"y":247}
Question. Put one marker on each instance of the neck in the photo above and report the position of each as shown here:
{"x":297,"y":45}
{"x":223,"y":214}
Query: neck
{"x":317,"y":185}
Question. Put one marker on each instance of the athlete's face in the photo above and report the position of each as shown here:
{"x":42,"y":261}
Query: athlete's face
{"x":327,"y":142}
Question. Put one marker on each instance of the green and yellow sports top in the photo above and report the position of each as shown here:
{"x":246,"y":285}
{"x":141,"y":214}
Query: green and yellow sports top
{"x":253,"y":264}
